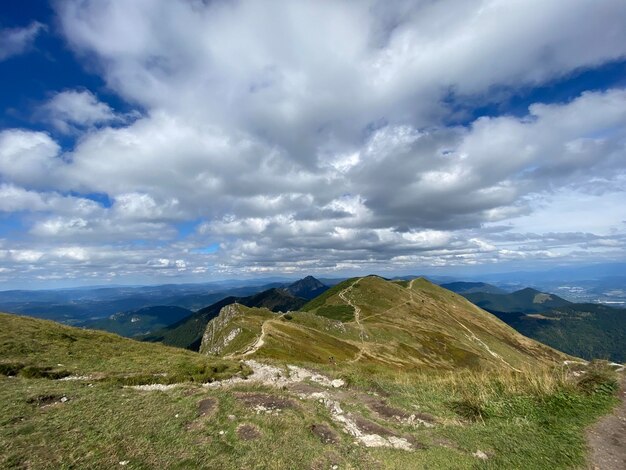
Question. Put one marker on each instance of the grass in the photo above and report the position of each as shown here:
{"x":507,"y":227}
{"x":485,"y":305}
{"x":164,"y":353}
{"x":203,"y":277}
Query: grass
{"x":343,"y":313}
{"x":533,"y":419}
{"x":34,"y":348}
{"x":411,"y":325}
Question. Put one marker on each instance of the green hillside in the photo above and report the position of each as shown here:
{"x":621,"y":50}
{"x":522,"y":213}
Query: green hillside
{"x":526,"y":301}
{"x":187,"y":333}
{"x":590,"y":331}
{"x":42,"y":348}
{"x":373,"y":411}
{"x":371,"y":320}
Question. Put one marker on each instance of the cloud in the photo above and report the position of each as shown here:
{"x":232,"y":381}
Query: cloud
{"x":16,"y":199}
{"x":16,"y":41}
{"x":346,"y":64}
{"x":70,"y":110}
{"x":28,"y":158}
{"x":304,"y":136}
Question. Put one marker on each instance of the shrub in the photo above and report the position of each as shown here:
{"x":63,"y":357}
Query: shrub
{"x":36,"y":372}
{"x":598,"y":378}
{"x":10,"y":369}
{"x":470,"y":408}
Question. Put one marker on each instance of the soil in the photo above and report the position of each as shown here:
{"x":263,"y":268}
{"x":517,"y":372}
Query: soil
{"x":607,"y":438}
{"x":303,"y":388}
{"x":207,"y":406}
{"x":45,"y":400}
{"x":325,"y":433}
{"x":387,"y":411}
{"x":370,"y":427}
{"x":268,"y":402}
{"x":248,"y":432}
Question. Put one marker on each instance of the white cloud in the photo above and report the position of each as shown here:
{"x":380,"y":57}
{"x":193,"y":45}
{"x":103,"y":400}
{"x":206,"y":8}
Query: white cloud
{"x":314,"y":135}
{"x":28,"y":158}
{"x":16,"y":41}
{"x":72,"y":109}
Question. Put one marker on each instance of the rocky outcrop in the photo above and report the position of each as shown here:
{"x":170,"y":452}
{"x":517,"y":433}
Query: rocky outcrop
{"x":212,"y":341}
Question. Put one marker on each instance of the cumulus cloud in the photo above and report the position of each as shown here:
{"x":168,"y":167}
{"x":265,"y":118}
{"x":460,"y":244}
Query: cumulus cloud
{"x":28,"y":158}
{"x":68,"y":110}
{"x":16,"y":41}
{"x":331,"y":150}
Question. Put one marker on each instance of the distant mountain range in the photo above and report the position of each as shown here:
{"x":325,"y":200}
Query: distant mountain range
{"x":75,"y":306}
{"x":139,"y":322}
{"x":472,"y":287}
{"x":178,"y":314}
{"x":187,"y":333}
{"x":525,"y":300}
{"x":581,"y":329}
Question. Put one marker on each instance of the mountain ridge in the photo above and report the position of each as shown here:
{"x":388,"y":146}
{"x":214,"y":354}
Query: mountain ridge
{"x":188,"y":332}
{"x":416,"y":324}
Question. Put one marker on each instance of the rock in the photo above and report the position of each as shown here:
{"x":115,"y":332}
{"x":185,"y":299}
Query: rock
{"x":231,"y":417}
{"x":64,"y":399}
{"x":123,"y":463}
{"x":337,"y":383}
{"x":479,"y":454}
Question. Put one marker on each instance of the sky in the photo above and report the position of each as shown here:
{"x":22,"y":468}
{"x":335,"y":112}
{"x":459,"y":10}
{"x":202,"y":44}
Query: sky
{"x":189,"y":140}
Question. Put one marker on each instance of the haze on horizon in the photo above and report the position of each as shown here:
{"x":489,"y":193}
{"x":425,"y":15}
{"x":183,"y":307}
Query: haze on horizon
{"x":187,"y":140}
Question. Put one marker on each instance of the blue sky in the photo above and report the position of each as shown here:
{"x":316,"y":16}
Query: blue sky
{"x":160,"y":141}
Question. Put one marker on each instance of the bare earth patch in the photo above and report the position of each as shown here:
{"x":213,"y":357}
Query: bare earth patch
{"x":248,"y":432}
{"x":386,"y":411}
{"x":370,"y":427}
{"x":351,"y":426}
{"x":263,"y":402}
{"x":326,"y":434}
{"x":47,"y":400}
{"x":207,"y":406}
{"x":607,"y":438}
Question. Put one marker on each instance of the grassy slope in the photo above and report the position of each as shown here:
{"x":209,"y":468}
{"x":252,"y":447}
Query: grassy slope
{"x":527,"y":420}
{"x":420,"y":325}
{"x":43,"y":344}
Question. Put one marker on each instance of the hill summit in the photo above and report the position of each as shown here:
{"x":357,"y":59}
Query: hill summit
{"x":306,"y":288}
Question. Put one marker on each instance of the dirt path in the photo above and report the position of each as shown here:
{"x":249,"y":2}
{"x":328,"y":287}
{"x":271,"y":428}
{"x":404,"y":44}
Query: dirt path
{"x":607,"y":438}
{"x":357,"y":318}
{"x":255,"y":347}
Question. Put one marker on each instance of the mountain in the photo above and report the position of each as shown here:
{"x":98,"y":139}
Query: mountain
{"x":139,"y":322}
{"x":413,"y":377}
{"x":525,"y":300}
{"x":307,"y":288}
{"x":590,"y":331}
{"x":587,"y":330}
{"x":187,"y":333}
{"x":472,"y":287}
{"x":402,"y":324}
{"x":276,"y":300}
{"x":74,"y":306}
